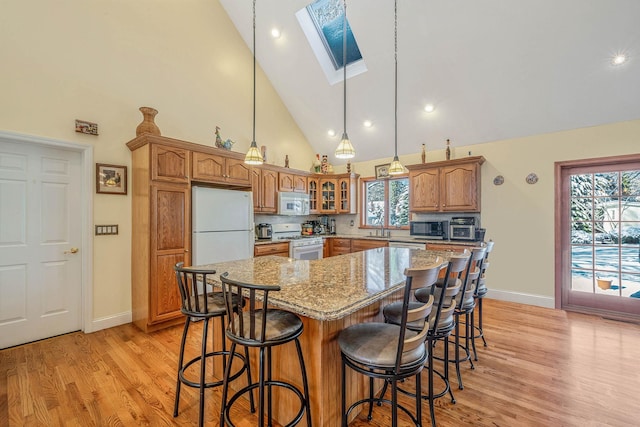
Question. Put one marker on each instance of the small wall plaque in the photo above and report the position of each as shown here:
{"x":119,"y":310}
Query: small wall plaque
{"x":86,"y":127}
{"x":498,"y":180}
{"x":532,"y":178}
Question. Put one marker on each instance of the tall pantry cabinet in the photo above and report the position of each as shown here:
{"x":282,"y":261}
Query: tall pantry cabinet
{"x":160,"y":230}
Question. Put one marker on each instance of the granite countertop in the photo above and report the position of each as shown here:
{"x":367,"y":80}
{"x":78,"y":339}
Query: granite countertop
{"x":329,"y":288}
{"x":386,"y":239}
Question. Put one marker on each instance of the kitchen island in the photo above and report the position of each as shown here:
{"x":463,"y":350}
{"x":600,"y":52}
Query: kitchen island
{"x":329,"y":295}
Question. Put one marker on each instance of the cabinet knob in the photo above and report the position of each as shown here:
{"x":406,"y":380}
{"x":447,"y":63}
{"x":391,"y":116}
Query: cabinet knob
{"x":186,"y":250}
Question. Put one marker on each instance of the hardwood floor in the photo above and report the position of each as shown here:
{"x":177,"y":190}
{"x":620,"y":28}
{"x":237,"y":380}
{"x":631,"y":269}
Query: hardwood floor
{"x":542,"y":367}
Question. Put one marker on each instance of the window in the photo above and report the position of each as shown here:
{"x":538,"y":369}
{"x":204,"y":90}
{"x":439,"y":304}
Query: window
{"x":385,"y":202}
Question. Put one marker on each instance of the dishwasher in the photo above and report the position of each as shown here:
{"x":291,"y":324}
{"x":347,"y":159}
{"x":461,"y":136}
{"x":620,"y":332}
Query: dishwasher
{"x":410,"y":245}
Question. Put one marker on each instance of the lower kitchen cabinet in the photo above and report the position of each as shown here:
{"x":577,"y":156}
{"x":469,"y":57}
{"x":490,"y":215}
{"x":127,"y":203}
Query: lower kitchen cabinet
{"x":340,"y":246}
{"x":358,"y":245}
{"x":279,"y":249}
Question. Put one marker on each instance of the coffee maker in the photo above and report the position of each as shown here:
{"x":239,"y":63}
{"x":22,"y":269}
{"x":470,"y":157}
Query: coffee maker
{"x":332,"y":226}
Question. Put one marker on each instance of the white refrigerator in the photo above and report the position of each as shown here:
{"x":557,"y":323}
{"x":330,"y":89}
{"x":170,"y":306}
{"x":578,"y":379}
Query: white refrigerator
{"x":222,"y":224}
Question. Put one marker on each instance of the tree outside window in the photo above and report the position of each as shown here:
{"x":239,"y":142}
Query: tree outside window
{"x":386,"y":202}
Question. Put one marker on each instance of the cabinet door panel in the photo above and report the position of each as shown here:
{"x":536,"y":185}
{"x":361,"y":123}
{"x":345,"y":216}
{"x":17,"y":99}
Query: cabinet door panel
{"x":459,"y":188}
{"x":165,"y":297}
{"x":237,"y":172}
{"x":269,"y":193}
{"x":300,"y":183}
{"x":208,"y":167}
{"x":169,"y":164}
{"x":425,"y":190}
{"x":285,"y":182}
{"x":171,"y":209}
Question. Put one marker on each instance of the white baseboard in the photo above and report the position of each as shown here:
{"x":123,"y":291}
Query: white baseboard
{"x":110,"y":321}
{"x":521,"y":298}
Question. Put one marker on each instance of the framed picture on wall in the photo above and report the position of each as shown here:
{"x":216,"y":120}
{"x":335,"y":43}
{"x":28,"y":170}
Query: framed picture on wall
{"x":111,"y":179}
{"x":382,"y":171}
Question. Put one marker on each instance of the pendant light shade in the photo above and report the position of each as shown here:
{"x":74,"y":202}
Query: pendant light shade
{"x":254,"y":157}
{"x":345,"y":150}
{"x":396,"y":168}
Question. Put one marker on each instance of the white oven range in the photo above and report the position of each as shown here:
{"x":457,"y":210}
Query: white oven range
{"x":300,"y":247}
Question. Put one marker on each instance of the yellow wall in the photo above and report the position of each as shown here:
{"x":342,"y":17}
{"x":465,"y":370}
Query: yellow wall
{"x":100,"y":61}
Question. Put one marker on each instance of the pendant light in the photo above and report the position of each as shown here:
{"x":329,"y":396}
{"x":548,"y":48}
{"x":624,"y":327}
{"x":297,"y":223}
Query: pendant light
{"x":254,"y":157}
{"x":396,"y":168}
{"x":345,"y":150}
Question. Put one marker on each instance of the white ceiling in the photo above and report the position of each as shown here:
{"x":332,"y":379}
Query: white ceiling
{"x":494,"y":69}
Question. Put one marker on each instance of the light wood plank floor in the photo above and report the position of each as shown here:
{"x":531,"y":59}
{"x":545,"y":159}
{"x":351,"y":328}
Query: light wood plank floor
{"x":542,"y":367}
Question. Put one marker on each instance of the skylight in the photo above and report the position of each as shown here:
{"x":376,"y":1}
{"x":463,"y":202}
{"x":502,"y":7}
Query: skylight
{"x":322,"y":23}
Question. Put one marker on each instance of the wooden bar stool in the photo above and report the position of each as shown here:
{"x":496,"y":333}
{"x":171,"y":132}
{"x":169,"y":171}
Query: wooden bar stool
{"x":263,"y":328}
{"x":199,"y":305}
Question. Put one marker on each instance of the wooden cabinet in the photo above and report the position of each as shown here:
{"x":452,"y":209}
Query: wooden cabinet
{"x":170,"y":164}
{"x":264,"y":184}
{"x":214,"y":168}
{"x":448,"y":186}
{"x":289,"y":181}
{"x":161,"y":228}
{"x":279,"y":249}
{"x":358,"y":245}
{"x":333,"y":193}
{"x":326,"y":248}
{"x":313,"y":184}
{"x":340,"y":246}
{"x":347,"y":193}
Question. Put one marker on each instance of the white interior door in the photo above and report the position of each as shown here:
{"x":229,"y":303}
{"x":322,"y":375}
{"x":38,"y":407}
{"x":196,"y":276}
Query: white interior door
{"x":40,"y":242}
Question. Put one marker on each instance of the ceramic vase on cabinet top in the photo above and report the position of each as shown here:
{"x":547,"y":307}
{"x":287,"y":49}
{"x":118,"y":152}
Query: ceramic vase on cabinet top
{"x":148,"y":125}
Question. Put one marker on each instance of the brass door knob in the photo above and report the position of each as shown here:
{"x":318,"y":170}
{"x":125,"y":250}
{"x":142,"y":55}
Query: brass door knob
{"x":71,"y":251}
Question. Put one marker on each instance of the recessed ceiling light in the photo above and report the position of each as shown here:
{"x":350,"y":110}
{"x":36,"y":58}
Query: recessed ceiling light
{"x":367,"y":123}
{"x":275,"y":33}
{"x":331,"y":133}
{"x":429,"y":108}
{"x":619,"y":59}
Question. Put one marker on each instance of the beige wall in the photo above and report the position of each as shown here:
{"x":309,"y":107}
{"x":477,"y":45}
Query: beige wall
{"x":100,"y":61}
{"x":518,"y":216}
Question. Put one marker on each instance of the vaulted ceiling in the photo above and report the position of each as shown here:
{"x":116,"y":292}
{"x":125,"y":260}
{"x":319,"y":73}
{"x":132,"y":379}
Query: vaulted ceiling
{"x":493,"y":69}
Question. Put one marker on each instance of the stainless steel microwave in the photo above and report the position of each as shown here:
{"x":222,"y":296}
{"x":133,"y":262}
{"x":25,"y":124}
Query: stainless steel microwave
{"x":430,"y":229}
{"x":462,"y":232}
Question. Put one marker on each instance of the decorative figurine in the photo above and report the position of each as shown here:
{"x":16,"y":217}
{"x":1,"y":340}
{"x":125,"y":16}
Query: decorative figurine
{"x":219,"y":142}
{"x":448,"y":150}
{"x":316,"y":165}
{"x":286,"y":161}
{"x":348,"y":166}
{"x":424,"y":154}
{"x":263,"y":151}
{"x":223,"y":144}
{"x":325,"y":164}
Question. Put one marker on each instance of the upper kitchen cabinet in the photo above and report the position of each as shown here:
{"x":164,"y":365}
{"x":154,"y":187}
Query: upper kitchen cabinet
{"x":334,"y":194}
{"x":264,"y":184}
{"x":447,"y":186}
{"x":169,"y":164}
{"x":313,"y":184}
{"x":226,"y":168}
{"x":347,"y":193}
{"x":292,"y":181}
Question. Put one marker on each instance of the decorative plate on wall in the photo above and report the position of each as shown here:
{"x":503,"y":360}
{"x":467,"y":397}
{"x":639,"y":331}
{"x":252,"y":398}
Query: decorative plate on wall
{"x":498,"y":180}
{"x":532,"y":178}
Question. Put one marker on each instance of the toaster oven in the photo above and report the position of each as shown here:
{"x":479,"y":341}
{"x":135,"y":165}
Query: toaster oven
{"x":462,"y":228}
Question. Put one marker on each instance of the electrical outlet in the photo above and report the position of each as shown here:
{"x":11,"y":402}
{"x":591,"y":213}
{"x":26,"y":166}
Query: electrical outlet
{"x":351,"y":223}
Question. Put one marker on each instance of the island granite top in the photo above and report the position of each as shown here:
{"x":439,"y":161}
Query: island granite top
{"x":329,"y":288}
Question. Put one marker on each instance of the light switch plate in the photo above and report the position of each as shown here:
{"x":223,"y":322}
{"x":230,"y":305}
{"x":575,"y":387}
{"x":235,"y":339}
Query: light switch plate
{"x":106,"y":230}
